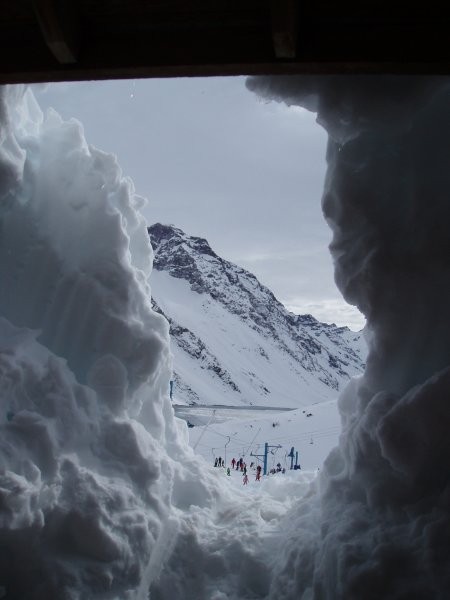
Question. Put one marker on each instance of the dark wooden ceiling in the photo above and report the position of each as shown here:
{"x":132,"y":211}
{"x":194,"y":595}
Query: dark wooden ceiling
{"x":53,"y":40}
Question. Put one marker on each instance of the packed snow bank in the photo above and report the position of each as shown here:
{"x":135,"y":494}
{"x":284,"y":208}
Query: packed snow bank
{"x":379,"y":525}
{"x":90,"y":453}
{"x":226,"y":552}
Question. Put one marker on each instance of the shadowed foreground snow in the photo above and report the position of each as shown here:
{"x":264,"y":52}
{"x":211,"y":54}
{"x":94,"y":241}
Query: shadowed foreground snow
{"x":100,"y":495}
{"x":381,"y":525}
{"x":90,"y":452}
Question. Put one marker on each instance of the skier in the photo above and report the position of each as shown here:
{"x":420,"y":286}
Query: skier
{"x":228,"y":472}
{"x":220,"y":462}
{"x":215,"y":463}
{"x":245,"y":480}
{"x":233,"y":462}
{"x":258,"y":473}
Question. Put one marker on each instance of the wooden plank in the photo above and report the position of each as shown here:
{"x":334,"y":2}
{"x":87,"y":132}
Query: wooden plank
{"x":164,"y":38}
{"x":59,"y":24}
{"x":284,"y":17}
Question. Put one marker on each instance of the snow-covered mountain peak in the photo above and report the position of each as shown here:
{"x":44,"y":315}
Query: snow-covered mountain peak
{"x":236,"y":332}
{"x":162,"y":235}
{"x":192,"y":259}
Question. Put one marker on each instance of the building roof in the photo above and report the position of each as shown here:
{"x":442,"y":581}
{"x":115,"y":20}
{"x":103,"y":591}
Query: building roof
{"x":54,"y":40}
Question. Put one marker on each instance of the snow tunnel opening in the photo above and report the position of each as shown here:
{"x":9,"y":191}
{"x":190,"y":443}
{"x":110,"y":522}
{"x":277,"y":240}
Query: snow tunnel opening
{"x":220,"y":292}
{"x":97,"y":475}
{"x":99,"y":488}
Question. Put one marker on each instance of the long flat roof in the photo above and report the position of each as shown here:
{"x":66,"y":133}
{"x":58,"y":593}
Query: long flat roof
{"x":55,"y":40}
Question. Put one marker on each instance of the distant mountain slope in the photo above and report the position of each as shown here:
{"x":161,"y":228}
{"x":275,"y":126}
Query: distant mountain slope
{"x":233,"y":341}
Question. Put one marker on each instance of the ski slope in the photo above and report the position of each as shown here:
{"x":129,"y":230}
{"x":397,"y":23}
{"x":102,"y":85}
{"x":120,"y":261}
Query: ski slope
{"x":245,"y":432}
{"x":227,"y":360}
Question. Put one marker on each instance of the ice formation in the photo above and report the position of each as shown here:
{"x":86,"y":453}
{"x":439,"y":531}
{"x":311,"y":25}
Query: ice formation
{"x":380,"y":526}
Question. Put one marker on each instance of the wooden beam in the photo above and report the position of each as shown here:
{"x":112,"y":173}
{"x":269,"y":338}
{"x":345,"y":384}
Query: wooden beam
{"x":59,"y":24}
{"x":284,"y":17}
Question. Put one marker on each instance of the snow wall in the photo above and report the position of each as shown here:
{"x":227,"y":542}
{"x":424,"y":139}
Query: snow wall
{"x":92,"y":462}
{"x":100,"y":496}
{"x":380,"y":527}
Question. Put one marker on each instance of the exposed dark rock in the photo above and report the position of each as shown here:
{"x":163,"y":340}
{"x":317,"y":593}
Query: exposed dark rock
{"x":301,"y":337}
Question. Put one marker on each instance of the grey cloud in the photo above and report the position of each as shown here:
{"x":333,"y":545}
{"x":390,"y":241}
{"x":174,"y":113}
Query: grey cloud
{"x":216,"y":161}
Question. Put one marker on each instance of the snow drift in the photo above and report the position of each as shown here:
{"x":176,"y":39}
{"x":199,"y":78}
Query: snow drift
{"x":380,"y":526}
{"x":89,"y":447}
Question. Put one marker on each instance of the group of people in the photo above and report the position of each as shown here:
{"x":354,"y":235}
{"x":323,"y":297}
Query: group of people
{"x":239,"y":465}
{"x":277,"y":470}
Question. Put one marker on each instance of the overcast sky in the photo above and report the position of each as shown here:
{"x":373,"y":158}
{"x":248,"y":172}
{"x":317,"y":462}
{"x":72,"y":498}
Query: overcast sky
{"x":214,"y":160}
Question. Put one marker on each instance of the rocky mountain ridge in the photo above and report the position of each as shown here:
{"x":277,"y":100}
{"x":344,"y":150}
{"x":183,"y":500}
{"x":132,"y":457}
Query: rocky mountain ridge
{"x":230,"y":330}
